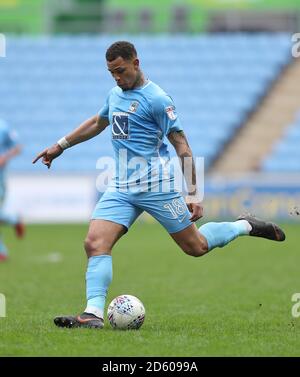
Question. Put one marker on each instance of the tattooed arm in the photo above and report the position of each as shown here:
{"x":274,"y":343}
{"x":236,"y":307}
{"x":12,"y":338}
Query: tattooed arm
{"x":183,"y":150}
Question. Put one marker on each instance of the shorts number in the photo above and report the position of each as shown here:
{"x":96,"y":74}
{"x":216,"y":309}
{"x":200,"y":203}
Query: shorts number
{"x":176,"y":208}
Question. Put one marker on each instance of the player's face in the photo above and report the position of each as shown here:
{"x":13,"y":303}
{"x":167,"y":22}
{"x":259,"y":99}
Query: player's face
{"x":125,"y":72}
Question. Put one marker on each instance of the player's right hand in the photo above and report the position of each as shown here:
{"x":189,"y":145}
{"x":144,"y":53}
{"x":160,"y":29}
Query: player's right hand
{"x":49,"y":154}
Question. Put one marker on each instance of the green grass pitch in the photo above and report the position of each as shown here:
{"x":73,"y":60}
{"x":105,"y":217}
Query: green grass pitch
{"x":235,"y":301}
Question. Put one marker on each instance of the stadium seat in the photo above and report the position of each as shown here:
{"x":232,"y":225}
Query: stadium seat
{"x":285,"y":155}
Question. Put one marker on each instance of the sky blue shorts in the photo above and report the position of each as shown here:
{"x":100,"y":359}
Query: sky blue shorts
{"x":168,"y":208}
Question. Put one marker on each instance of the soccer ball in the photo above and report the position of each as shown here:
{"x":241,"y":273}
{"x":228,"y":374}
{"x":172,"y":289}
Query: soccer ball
{"x":126,"y":312}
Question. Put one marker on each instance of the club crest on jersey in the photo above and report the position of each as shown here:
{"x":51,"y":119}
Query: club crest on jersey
{"x":120,"y":127}
{"x":133,"y":107}
{"x":170,"y":110}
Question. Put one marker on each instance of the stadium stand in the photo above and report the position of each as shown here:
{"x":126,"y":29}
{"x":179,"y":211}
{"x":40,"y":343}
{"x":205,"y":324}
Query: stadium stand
{"x":285,"y":155}
{"x":264,"y":128}
{"x":50,"y":84}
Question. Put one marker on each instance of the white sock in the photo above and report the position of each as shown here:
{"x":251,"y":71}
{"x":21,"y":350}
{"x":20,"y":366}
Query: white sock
{"x":93,"y":310}
{"x":244,"y":224}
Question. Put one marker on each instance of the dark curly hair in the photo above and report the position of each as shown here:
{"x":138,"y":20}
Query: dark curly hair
{"x":124,"y":49}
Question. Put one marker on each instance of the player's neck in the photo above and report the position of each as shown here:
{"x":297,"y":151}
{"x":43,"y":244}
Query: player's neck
{"x":140,"y":81}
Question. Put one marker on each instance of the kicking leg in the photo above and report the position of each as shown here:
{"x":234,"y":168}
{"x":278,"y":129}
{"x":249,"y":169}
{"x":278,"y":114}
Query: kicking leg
{"x":220,"y":234}
{"x":102,"y":236}
{"x":210,"y":235}
{"x":191,"y":241}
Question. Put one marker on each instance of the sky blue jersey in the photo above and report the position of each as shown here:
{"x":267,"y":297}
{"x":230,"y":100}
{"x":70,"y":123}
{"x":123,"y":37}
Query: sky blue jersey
{"x":139,"y":120}
{"x":8,"y":139}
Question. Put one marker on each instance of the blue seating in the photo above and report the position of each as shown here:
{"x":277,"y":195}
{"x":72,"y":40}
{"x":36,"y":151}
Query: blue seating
{"x":285,"y":155}
{"x":49,"y":85}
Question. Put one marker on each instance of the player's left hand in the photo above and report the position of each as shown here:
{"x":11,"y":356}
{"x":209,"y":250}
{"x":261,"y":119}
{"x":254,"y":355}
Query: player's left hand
{"x":196,"y":210}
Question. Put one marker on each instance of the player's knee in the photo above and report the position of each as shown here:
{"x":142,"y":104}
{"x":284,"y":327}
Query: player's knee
{"x":96,"y":246}
{"x":195,"y":249}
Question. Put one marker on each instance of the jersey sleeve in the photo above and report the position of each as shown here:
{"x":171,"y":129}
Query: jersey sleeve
{"x":104,"y":111}
{"x":11,"y":139}
{"x":164,"y":113}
